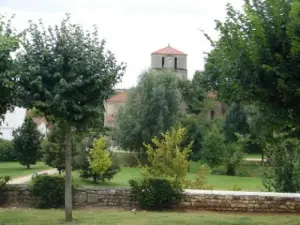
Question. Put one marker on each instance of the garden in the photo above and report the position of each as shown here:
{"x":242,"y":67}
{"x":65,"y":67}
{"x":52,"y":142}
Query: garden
{"x":168,"y":135}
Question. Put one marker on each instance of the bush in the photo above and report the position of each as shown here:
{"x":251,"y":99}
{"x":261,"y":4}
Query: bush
{"x":200,"y":182}
{"x":49,"y":190}
{"x":83,"y":159}
{"x":126,"y":159}
{"x":156,"y":194}
{"x":283,"y":173}
{"x":7,"y":153}
{"x":167,"y":159}
{"x":3,"y":188}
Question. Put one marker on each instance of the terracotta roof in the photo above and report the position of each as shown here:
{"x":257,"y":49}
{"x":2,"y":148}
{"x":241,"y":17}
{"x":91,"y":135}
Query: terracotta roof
{"x":119,"y":97}
{"x":39,"y":120}
{"x":168,"y":51}
{"x":211,"y":94}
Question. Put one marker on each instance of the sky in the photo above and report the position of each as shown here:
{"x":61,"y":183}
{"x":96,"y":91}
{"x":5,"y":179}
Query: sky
{"x":133,"y":29}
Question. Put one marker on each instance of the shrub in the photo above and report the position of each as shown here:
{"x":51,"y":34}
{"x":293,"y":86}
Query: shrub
{"x":27,"y":143}
{"x":156,"y":194}
{"x":200,"y":182}
{"x":167,"y":159}
{"x":283,"y":173}
{"x":3,"y":188}
{"x":7,"y":152}
{"x":99,"y":158}
{"x":126,"y":159}
{"x":49,"y":190}
{"x":83,"y":160}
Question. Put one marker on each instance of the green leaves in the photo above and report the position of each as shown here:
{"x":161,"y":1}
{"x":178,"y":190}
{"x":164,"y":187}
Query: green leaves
{"x":66,"y":72}
{"x":152,"y":108}
{"x":257,"y":58}
{"x":27,"y":143}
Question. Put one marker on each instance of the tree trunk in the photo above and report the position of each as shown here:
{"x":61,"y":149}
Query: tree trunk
{"x":28,"y":166}
{"x":68,"y":182}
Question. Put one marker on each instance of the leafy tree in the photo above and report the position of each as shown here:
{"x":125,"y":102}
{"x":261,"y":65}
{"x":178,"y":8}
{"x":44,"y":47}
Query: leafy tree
{"x":282,"y":173}
{"x":66,"y":74}
{"x":217,"y":151}
{"x":82,"y":161}
{"x":152,"y":108}
{"x":196,"y":95}
{"x":194,"y":134}
{"x":9,"y":43}
{"x":235,"y":122}
{"x":99,"y":158}
{"x":27,"y":143}
{"x":214,"y":146}
{"x":257,"y":57}
{"x":53,"y":148}
{"x":167,"y":159}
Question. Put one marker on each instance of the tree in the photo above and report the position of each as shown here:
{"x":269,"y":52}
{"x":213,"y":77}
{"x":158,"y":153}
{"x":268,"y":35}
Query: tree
{"x":214,"y":147}
{"x":167,"y":159}
{"x":256,"y":59}
{"x":87,"y":158}
{"x":9,"y":43}
{"x":196,"y":95}
{"x":53,"y":148}
{"x":152,"y":108}
{"x":235,"y":122}
{"x":194,"y":134}
{"x":27,"y":143}
{"x":99,"y":160}
{"x":282,"y":173}
{"x":66,"y":74}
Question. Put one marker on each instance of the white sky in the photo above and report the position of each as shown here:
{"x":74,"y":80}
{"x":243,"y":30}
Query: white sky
{"x":134,"y":29}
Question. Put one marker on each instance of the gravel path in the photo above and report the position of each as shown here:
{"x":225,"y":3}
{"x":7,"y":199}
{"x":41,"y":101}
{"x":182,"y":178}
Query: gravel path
{"x":27,"y":178}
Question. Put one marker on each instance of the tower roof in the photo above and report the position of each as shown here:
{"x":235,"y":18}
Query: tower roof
{"x":168,"y":51}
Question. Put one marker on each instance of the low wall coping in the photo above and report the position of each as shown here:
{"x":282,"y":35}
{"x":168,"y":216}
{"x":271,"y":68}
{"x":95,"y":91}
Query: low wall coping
{"x":241,"y":193}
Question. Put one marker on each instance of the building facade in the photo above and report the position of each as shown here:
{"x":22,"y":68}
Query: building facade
{"x":170,"y":58}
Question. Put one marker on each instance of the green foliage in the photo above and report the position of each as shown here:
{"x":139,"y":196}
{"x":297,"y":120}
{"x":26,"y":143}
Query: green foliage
{"x":53,"y":149}
{"x":152,"y":108}
{"x":67,"y":74}
{"x":216,"y":151}
{"x":49,"y":190}
{"x":200,"y":182}
{"x":214,"y":147}
{"x":27,"y":143}
{"x":257,"y":57}
{"x":156,"y":194}
{"x":9,"y":43}
{"x":196,"y":95}
{"x":234,"y":154}
{"x":194,"y":134}
{"x":83,"y":158}
{"x":99,"y":159}
{"x":235,"y":122}
{"x":126,"y":159}
{"x":3,"y":188}
{"x":167,"y":159}
{"x":7,"y":152}
{"x":283,"y":161}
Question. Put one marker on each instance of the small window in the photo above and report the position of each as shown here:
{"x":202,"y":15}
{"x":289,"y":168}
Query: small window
{"x":175,"y":63}
{"x":162,"y":62}
{"x":212,"y":114}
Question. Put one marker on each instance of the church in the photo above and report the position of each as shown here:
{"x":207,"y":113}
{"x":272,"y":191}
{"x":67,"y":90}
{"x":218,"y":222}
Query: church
{"x":165,"y":58}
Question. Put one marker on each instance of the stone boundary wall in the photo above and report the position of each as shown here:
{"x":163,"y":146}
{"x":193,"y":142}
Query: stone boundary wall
{"x":19,"y":196}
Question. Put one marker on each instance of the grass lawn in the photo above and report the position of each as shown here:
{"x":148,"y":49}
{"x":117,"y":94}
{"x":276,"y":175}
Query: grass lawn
{"x":113,"y":217}
{"x":218,"y":181}
{"x":14,"y":169}
{"x":253,"y":156}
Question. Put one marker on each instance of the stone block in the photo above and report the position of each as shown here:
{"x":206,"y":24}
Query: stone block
{"x":92,"y":198}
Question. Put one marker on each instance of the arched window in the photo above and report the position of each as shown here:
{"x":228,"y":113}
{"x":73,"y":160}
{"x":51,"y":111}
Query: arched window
{"x":175,"y":63}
